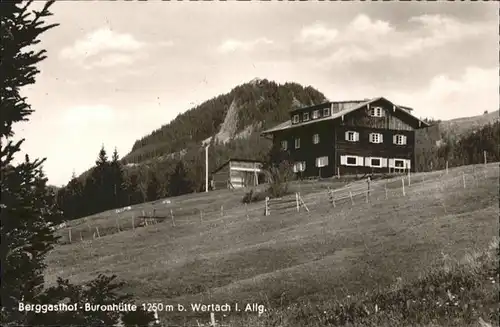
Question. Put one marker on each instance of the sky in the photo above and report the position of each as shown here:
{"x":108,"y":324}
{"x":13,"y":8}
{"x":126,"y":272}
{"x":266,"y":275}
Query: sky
{"x":116,"y":71}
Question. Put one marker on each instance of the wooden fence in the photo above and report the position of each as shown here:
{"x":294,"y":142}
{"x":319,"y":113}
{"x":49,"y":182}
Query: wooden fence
{"x":361,"y":191}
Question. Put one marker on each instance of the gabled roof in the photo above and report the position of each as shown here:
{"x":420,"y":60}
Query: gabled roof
{"x":356,"y":106}
{"x":235,"y":159}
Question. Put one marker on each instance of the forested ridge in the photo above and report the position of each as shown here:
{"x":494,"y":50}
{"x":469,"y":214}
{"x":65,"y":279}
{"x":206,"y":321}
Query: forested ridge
{"x":260,"y":102}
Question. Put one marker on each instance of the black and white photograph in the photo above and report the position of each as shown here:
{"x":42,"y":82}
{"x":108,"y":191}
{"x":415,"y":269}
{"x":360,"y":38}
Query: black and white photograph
{"x":250,"y":163}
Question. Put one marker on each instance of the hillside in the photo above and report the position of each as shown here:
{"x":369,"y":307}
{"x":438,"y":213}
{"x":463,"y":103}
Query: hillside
{"x":253,"y":105}
{"x":231,"y":123}
{"x":235,"y":254}
{"x":460,"y":126}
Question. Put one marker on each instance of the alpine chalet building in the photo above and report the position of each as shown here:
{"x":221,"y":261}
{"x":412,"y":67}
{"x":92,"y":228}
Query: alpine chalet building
{"x":349,"y":137}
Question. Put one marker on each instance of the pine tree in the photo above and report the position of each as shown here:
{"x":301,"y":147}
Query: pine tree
{"x":118,"y":181}
{"x":27,"y":208}
{"x":154,"y":187}
{"x":178,"y":181}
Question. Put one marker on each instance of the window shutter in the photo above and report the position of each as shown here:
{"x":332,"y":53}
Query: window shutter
{"x":391,"y":163}
{"x":408,"y":163}
{"x":356,"y":136}
{"x":381,"y":138}
{"x":395,"y":139}
{"x":384,"y":162}
{"x":404,"y":139}
{"x":359,"y":161}
{"x":367,"y":161}
{"x":347,"y":136}
{"x":343,"y":160}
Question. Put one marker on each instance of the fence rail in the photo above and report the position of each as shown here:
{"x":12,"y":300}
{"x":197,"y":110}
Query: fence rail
{"x":353,"y":193}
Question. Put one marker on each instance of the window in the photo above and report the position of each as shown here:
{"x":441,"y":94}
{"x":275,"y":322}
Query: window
{"x":376,"y":138}
{"x":299,"y":166}
{"x":284,"y":145}
{"x":399,"y":163}
{"x":322,"y":162}
{"x":351,"y":136}
{"x":295,"y":119}
{"x":297,"y":143}
{"x":376,"y":162}
{"x":326,"y":112}
{"x":349,"y":160}
{"x":399,"y":139}
{"x":316,"y":138}
{"x":305,"y":117}
{"x":376,"y":111}
{"x":315,"y":114}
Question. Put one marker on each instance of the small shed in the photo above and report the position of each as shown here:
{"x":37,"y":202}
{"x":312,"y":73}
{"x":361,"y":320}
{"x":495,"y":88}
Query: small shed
{"x":238,"y":173}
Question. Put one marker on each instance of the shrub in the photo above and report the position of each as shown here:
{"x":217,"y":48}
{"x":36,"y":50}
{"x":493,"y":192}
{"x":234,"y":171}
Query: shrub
{"x":280,"y":175}
{"x":248,"y":197}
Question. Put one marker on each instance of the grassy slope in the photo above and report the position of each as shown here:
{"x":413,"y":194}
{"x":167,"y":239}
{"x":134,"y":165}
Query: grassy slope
{"x":287,"y":257}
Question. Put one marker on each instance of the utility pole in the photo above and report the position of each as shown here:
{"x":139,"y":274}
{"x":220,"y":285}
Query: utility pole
{"x":206,"y":167}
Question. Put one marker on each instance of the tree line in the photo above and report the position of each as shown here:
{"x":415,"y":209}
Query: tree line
{"x":112,"y":184}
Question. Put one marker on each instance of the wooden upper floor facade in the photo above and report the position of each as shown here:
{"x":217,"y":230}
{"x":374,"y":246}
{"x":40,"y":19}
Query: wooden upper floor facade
{"x":367,"y":136}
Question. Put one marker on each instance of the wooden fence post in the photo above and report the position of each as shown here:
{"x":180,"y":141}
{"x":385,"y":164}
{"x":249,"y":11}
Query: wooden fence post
{"x":446,"y":167}
{"x":385,"y":188}
{"x":172,"y":215}
{"x":69,"y":234}
{"x":157,"y":320}
{"x":409,"y":177}
{"x":201,"y":216}
{"x":332,"y":196}
{"x":463,"y":177}
{"x":484,"y":155}
{"x":350,"y":195}
{"x":303,"y":203}
{"x":246,"y":210}
{"x":133,"y":221}
{"x":403,"y":186}
{"x":212,"y":319}
{"x":297,"y":201}
{"x":118,"y":224}
{"x":338,"y":172}
{"x":266,"y":210}
{"x":222,"y":211}
{"x":81,"y":236}
{"x":97,"y":230}
{"x":368,"y":182}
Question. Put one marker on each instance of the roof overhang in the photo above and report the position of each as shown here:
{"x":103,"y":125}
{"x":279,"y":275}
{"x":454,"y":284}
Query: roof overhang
{"x":340,"y":115}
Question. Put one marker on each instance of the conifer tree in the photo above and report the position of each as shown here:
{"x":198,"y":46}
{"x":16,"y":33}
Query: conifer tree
{"x":27,"y":208}
{"x":178,"y":181}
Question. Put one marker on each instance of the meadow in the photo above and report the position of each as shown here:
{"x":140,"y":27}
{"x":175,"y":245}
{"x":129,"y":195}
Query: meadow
{"x":289,"y":260}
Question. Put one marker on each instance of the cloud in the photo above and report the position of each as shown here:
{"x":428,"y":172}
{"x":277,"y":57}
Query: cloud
{"x":232,"y":45}
{"x":103,"y":48}
{"x":101,"y":40}
{"x":475,"y":91}
{"x":367,"y":40}
{"x":317,"y":35}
